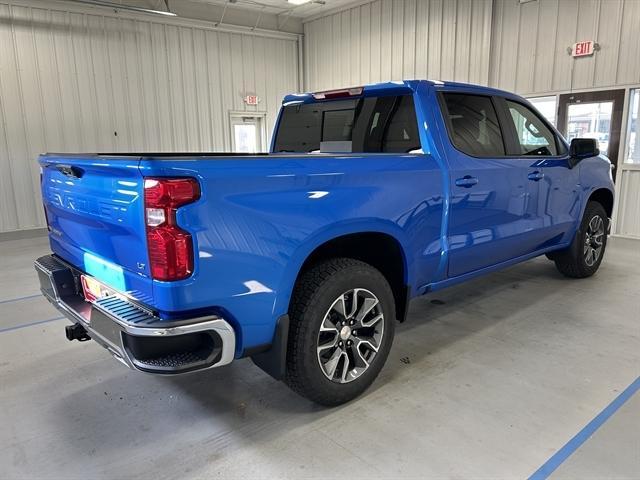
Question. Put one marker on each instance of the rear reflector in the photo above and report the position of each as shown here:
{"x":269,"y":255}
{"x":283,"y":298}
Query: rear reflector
{"x":170,"y":248}
{"x":345,"y":92}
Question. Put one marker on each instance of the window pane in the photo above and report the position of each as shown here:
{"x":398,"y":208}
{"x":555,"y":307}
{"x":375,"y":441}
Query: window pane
{"x":546,"y":106}
{"x":633,"y":142}
{"x":533,"y":136}
{"x":474,"y":127}
{"x":371,"y":124}
{"x":337,"y":125}
{"x":245,"y":138}
{"x":590,"y":120}
{"x":300,"y":128}
{"x":401,"y":132}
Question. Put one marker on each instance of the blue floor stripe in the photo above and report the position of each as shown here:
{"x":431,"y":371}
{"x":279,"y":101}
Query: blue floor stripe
{"x":31,"y":324}
{"x":583,"y":435}
{"x":20,"y":298}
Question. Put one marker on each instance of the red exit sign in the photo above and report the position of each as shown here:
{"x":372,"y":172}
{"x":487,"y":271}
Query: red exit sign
{"x":583,"y":49}
{"x":251,"y":100}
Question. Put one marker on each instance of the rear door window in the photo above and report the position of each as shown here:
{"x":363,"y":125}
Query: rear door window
{"x":473,"y":125}
{"x":371,"y":124}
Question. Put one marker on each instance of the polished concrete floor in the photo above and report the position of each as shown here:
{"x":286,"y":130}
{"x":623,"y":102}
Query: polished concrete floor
{"x":485,"y":380}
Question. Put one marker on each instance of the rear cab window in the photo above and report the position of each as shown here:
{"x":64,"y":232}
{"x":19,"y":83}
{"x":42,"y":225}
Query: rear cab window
{"x":384,"y":124}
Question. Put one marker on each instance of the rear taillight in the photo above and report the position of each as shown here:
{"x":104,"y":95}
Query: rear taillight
{"x":170,"y":247}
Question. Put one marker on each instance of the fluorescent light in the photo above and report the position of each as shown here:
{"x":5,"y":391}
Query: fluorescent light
{"x":298,"y":2}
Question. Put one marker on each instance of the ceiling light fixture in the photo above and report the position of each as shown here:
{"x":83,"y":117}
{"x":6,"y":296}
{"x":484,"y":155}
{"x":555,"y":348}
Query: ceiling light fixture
{"x":298,"y":2}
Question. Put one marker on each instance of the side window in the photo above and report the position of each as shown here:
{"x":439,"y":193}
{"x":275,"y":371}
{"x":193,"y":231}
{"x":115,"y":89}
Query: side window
{"x":473,"y":125}
{"x":533,"y":136}
{"x":401,"y":133}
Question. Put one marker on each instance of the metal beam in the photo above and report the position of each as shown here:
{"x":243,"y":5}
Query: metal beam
{"x":119,"y":6}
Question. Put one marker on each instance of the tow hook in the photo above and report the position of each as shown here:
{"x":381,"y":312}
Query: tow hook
{"x":76,"y":332}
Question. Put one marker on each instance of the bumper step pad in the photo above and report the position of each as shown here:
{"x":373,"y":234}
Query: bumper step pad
{"x":175,"y":360}
{"x":130,"y":331}
{"x":126,"y":312}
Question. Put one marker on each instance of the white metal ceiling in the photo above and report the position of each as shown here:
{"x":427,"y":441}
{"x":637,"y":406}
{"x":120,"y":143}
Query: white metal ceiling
{"x":308,"y":9}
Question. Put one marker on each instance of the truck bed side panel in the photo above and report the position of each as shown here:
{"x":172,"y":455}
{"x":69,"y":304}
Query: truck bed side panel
{"x":259,"y":218}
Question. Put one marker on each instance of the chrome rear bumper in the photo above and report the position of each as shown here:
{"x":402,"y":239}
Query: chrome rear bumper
{"x":133,"y":334}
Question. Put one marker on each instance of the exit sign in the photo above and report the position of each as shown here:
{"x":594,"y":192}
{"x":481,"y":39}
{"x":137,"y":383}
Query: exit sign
{"x":583,"y":49}
{"x":251,"y":100}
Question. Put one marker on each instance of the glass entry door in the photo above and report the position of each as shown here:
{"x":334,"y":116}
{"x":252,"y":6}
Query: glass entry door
{"x":246,"y":134}
{"x":590,"y":120}
{"x":593,"y":115}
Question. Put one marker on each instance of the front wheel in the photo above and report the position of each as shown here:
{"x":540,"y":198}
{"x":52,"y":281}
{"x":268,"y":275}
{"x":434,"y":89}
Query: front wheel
{"x":584,"y":256}
{"x":342,"y":325}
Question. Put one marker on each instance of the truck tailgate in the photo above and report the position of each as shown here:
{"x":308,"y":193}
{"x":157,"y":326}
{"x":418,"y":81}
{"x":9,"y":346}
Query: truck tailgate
{"x":95,"y":212}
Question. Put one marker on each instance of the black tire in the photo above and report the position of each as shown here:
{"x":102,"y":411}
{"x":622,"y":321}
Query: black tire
{"x":579,"y":261}
{"x":314,"y":303}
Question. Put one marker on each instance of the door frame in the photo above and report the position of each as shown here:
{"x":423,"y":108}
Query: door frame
{"x":262,"y":120}
{"x":624,"y":140}
{"x":617,"y":96}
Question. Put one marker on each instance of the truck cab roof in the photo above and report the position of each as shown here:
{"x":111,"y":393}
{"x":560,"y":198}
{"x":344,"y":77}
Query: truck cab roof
{"x":392,"y":88}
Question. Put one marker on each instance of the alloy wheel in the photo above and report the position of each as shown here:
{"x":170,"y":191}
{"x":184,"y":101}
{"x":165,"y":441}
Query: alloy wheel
{"x":350,"y":335}
{"x":593,"y":240}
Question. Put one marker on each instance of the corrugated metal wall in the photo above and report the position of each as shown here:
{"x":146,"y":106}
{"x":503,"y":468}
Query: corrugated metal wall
{"x":628,"y":220}
{"x":69,"y":80}
{"x":530,"y":41}
{"x":452,"y":40}
{"x":399,"y":39}
{"x":73,"y":82}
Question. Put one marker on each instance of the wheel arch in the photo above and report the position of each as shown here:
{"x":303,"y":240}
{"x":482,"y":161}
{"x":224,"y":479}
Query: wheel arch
{"x":604,"y":197}
{"x":339,"y":241}
{"x":378,"y":249}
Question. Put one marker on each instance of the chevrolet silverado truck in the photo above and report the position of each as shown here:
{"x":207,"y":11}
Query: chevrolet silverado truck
{"x":304,"y":258}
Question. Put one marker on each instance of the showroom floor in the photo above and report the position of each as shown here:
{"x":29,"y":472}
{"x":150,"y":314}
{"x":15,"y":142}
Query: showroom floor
{"x":488,"y":379}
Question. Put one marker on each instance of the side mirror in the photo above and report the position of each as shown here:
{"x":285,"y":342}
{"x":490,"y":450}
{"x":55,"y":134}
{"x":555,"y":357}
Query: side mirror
{"x":582,"y":148}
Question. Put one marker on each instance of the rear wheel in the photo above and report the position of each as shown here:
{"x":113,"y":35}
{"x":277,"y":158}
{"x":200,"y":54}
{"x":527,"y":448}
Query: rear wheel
{"x":584,"y":256}
{"x":342,"y":326}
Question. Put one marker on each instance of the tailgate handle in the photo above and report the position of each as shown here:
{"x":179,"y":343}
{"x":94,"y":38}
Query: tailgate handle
{"x":70,"y":171}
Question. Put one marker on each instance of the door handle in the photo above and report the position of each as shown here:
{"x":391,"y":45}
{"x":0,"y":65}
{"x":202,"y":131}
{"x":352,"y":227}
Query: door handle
{"x":467,"y":181}
{"x":536,"y":176}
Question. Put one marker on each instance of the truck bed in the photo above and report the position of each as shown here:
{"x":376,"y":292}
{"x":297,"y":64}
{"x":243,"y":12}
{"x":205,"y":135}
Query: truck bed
{"x":258,"y":218}
{"x":156,"y":154}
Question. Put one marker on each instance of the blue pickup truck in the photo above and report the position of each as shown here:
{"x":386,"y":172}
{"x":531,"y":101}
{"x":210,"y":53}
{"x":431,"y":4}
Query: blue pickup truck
{"x":305,"y":257}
